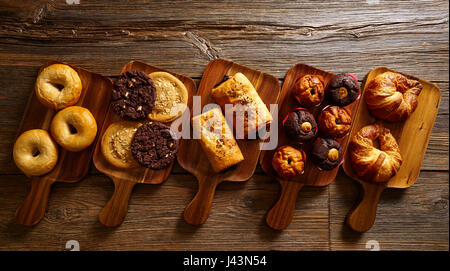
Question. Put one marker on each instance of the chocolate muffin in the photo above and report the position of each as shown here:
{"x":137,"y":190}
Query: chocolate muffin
{"x":326,"y":153}
{"x":289,"y":162}
{"x":309,"y":90}
{"x":334,"y":121}
{"x":300,"y":125}
{"x":342,"y":90}
{"x":154,"y":145}
{"x":133,"y":95}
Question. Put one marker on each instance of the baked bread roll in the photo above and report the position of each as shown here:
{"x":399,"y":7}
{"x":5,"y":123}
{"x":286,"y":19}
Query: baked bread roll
{"x":289,"y":162}
{"x":309,"y":90}
{"x":253,"y":113}
{"x":370,"y":163}
{"x":216,"y":139}
{"x":392,"y":96}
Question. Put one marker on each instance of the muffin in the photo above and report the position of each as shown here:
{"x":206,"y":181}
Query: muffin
{"x":300,"y":125}
{"x":288,"y":162}
{"x":342,"y":90}
{"x":326,"y":153}
{"x":334,"y":121}
{"x":309,"y":90}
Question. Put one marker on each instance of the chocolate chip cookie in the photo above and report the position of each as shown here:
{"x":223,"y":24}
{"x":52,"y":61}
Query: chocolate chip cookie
{"x":154,"y":146}
{"x":133,"y":95}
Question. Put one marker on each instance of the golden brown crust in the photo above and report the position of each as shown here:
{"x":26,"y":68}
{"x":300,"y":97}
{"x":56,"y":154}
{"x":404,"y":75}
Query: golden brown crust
{"x":392,"y":96}
{"x":309,"y":90}
{"x":217,"y":140}
{"x":238,"y":90}
{"x":116,"y":144}
{"x":370,"y":163}
{"x":35,"y":152}
{"x":335,"y":121}
{"x":58,"y":86}
{"x":289,"y":162}
{"x":74,"y":128}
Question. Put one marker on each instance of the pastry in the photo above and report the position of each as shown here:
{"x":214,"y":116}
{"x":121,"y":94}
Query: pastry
{"x":342,"y":90}
{"x":370,"y":163}
{"x":154,"y":145}
{"x":35,"y":153}
{"x":326,"y":153}
{"x":300,"y":125}
{"x":309,"y":90}
{"x":133,"y":95}
{"x":58,"y":86}
{"x":74,"y":128}
{"x":334,"y":121}
{"x":392,"y":96}
{"x":116,"y":144}
{"x":288,"y":162}
{"x":216,"y":139}
{"x":171,"y":97}
{"x":249,"y":110}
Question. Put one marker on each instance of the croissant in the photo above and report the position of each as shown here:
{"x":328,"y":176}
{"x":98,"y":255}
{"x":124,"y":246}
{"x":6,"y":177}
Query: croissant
{"x":370,"y":163}
{"x":392,"y":96}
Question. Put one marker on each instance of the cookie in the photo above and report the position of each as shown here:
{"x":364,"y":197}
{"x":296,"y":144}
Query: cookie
{"x":133,"y":95}
{"x":154,"y":146}
{"x":116,"y":144}
{"x":171,"y":97}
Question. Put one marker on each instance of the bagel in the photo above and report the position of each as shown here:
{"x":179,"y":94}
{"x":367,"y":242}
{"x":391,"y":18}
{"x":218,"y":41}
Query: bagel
{"x":370,"y":163}
{"x":35,"y":152}
{"x":74,"y":128}
{"x":392,"y":96}
{"x":58,"y":86}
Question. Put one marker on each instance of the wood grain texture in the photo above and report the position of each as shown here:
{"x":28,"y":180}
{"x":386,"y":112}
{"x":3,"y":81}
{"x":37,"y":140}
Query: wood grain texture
{"x":271,"y":36}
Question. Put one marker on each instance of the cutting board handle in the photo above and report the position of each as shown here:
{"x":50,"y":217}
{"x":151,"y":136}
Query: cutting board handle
{"x":34,"y":206}
{"x":362,"y":216}
{"x":197,"y":211}
{"x":116,"y":209}
{"x":281,"y":214}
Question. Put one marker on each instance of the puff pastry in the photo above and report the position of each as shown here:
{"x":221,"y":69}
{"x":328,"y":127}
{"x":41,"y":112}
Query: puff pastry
{"x":216,"y":139}
{"x":238,"y":90}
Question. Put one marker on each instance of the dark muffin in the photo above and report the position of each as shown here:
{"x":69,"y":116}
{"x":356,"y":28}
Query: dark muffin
{"x":300,"y":125}
{"x":342,"y":90}
{"x":289,"y":162}
{"x":309,"y":90}
{"x":326,"y":153}
{"x":334,"y":121}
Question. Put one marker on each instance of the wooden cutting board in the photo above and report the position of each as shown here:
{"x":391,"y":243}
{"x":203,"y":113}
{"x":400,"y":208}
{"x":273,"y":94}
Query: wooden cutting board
{"x":412,"y":136}
{"x":71,"y":166}
{"x":190,"y":155}
{"x":280,"y":216}
{"x":124,"y":180}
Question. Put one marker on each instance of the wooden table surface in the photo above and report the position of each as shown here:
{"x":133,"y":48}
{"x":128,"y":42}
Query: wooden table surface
{"x":183,"y":36}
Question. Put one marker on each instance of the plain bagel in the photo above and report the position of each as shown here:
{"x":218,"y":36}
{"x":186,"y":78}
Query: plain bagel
{"x":74,"y":128}
{"x":35,"y":153}
{"x":58,"y":86}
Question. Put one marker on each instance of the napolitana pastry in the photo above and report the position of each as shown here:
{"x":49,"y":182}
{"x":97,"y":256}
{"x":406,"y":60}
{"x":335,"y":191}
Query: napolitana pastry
{"x":334,"y":121}
{"x":392,"y":96}
{"x":74,"y":128}
{"x":288,"y":162}
{"x":216,"y":139}
{"x":238,"y":90}
{"x":342,"y":90}
{"x":370,"y":163}
{"x":58,"y":86}
{"x":116,"y":144}
{"x":300,"y":125}
{"x":35,"y":153}
{"x":326,"y":153}
{"x":171,"y":97}
{"x":133,"y":95}
{"x":309,"y":90}
{"x":154,"y":145}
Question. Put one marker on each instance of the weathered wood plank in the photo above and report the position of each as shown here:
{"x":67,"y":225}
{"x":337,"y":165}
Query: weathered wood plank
{"x":407,"y":219}
{"x":155,"y":223}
